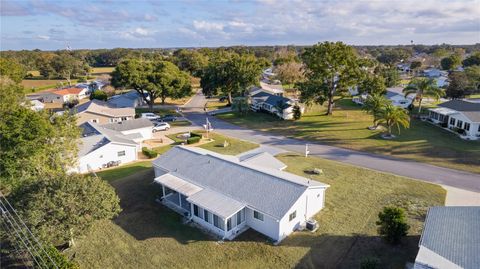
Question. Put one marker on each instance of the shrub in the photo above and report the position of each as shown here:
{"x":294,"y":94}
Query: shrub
{"x":192,"y":134}
{"x":149,"y":153}
{"x":393,"y":224}
{"x":57,"y":257}
{"x":297,"y":113}
{"x":193,"y":139}
{"x":99,"y":95}
{"x":82,"y":80}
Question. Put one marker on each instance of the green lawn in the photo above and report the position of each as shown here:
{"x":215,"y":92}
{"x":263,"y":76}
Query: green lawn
{"x":347,"y":128}
{"x":148,"y":235}
{"x":235,"y":146}
{"x":180,"y":123}
{"x":123,"y":171}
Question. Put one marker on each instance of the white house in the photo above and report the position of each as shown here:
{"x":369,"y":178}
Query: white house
{"x":100,"y":146}
{"x":461,"y":116}
{"x":36,"y":105}
{"x":138,"y":130}
{"x":275,"y":89}
{"x":450,"y":239}
{"x":434,"y":73}
{"x":129,"y":99}
{"x":395,"y":95}
{"x":227,"y":196}
{"x":277,"y":105}
{"x":64,"y":95}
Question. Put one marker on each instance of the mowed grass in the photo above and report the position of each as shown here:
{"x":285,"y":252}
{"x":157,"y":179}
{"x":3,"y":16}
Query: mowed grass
{"x":101,"y":70}
{"x":35,"y":85}
{"x":347,"y":128}
{"x":148,"y":235}
{"x":124,"y":171}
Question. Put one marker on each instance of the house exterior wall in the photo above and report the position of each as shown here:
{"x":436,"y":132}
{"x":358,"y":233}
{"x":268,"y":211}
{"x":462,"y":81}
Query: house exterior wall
{"x":106,"y":154}
{"x":473,"y":130}
{"x":268,"y":227}
{"x":315,"y":201}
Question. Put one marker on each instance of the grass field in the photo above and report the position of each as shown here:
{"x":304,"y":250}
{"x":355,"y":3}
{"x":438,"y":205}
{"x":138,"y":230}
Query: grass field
{"x":101,"y":70}
{"x":124,"y":171}
{"x":148,"y":235}
{"x":35,"y":85}
{"x":347,"y":128}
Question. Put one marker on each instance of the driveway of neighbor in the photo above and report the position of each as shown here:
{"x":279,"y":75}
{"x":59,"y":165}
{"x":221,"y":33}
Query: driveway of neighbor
{"x":459,"y":197}
{"x":193,"y":111}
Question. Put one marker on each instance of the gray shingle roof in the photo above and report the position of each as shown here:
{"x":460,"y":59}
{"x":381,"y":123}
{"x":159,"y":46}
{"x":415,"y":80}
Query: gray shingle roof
{"x":129,"y":125}
{"x":102,"y":108}
{"x":270,"y":191}
{"x":453,"y":232}
{"x":270,"y":98}
{"x":95,"y":136}
{"x":470,"y":109}
{"x":129,"y":99}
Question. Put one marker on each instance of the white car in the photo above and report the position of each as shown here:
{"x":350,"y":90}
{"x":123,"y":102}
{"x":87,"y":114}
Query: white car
{"x":150,"y":116}
{"x":162,"y":126}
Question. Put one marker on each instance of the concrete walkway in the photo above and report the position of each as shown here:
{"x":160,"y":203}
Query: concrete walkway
{"x":193,"y":111}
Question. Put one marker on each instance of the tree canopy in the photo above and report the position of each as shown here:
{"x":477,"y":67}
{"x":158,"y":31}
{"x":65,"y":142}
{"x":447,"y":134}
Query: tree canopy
{"x":12,"y":69}
{"x":473,"y":59}
{"x":289,"y":73}
{"x":157,"y":79}
{"x":331,"y":68}
{"x":422,"y":87}
{"x":60,"y":208}
{"x":190,"y":61}
{"x":32,"y":143}
{"x":230,"y":73}
{"x":392,"y":224}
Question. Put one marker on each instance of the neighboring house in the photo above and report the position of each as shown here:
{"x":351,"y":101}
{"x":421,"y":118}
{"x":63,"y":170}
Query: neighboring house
{"x":65,"y":95}
{"x":227,"y":196}
{"x":268,"y":73}
{"x":395,"y":95}
{"x":404,"y":67}
{"x":36,"y":105}
{"x":99,"y":146}
{"x":100,"y":112}
{"x":129,"y":99}
{"x":433,"y":73}
{"x":462,"y":116}
{"x":142,"y":127}
{"x":442,"y":81}
{"x":450,"y":239}
{"x":278,"y":105}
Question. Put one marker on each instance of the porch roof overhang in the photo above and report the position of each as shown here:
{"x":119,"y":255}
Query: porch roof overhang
{"x":177,"y":184}
{"x":444,"y":111}
{"x":216,"y":203}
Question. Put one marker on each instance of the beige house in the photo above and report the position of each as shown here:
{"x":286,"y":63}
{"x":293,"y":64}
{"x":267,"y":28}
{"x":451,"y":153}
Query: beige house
{"x":100,"y":112}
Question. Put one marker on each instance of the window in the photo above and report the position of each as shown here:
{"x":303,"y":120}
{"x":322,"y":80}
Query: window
{"x":229,"y":224}
{"x":124,"y":118}
{"x":95,"y":120}
{"x":121,"y":153}
{"x":101,"y":156}
{"x":218,"y":222}
{"x":292,"y":216}
{"x":440,"y":117}
{"x":452,"y":121}
{"x":467,"y":126}
{"x":258,"y":215}
{"x":205,"y":215}
{"x":459,"y":123}
{"x":195,"y":210}
{"x":479,"y":128}
{"x":240,"y":217}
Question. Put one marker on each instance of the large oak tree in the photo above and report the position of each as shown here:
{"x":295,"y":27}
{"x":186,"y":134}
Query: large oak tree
{"x":152,"y":79}
{"x":331,"y":68}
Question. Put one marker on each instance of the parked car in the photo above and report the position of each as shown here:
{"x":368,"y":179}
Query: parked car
{"x":161,"y":126}
{"x":150,"y":116}
{"x":168,"y":118}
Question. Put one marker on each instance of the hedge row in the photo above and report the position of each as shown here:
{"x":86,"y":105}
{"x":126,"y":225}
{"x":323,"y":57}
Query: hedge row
{"x":149,"y":153}
{"x":193,"y":139}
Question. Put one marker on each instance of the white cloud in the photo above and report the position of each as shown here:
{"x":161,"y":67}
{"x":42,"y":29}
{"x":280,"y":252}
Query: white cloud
{"x":43,"y":37}
{"x":207,"y":26}
{"x":136,"y":34}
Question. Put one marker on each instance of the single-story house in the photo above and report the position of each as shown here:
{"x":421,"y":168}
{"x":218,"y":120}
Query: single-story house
{"x":100,"y":112}
{"x":143,"y":127}
{"x":100,"y":146}
{"x":268,"y":73}
{"x":275,"y":89}
{"x":278,"y":105}
{"x":462,"y":116}
{"x":227,"y":196}
{"x":64,"y":95}
{"x":129,"y":99}
{"x":434,"y":73}
{"x":36,"y":105}
{"x":395,"y":95}
{"x":442,"y":81}
{"x":450,"y":239}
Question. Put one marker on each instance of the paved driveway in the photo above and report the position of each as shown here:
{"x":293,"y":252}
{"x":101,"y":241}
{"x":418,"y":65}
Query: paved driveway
{"x":193,"y":110}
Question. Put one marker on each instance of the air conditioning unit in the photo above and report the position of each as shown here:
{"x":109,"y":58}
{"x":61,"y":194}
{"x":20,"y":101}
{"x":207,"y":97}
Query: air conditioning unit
{"x":312,"y":225}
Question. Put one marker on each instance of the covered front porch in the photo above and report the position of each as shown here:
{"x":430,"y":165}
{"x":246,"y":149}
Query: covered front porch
{"x":217,"y":213}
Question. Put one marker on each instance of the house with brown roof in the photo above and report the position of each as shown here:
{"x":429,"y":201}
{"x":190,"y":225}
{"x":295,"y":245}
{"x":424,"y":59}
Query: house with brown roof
{"x":65,"y":95}
{"x":100,"y":112}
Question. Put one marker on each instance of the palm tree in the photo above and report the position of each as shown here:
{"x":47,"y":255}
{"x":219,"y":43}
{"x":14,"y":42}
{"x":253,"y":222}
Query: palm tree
{"x":423,"y":87}
{"x":373,"y":105}
{"x":391,"y":115}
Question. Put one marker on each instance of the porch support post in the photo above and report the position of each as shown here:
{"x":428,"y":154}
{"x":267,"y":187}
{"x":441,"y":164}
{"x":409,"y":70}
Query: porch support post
{"x":163,"y":191}
{"x":180,"y":199}
{"x":225,"y":227}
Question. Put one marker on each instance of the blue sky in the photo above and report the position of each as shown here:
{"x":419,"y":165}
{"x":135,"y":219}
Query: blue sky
{"x":50,"y":25}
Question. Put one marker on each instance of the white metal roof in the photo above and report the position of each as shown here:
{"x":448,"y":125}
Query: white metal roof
{"x":177,"y":184}
{"x":217,"y":203}
{"x":444,"y":110}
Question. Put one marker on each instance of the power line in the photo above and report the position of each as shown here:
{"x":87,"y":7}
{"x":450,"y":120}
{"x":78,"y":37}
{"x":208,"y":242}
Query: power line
{"x":24,"y":234}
